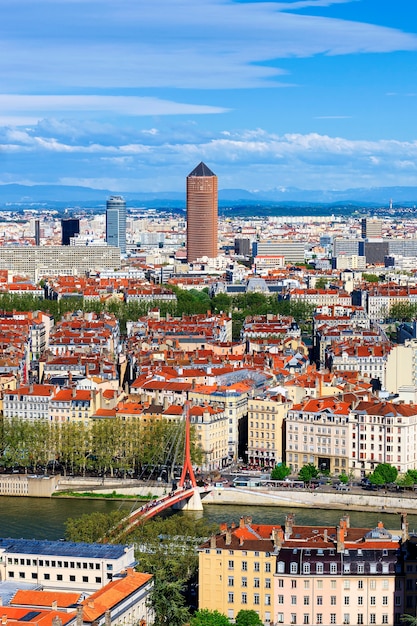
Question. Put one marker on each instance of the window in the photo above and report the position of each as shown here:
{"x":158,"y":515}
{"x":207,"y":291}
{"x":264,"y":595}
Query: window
{"x":372,"y":618}
{"x":293,"y":568}
{"x":373,"y":600}
{"x":293,"y":618}
{"x":293,"y":584}
{"x":306,"y":568}
{"x":385,"y":600}
{"x":256,"y":567}
{"x":21,"y":574}
{"x":360,"y":584}
{"x":319,"y":584}
{"x":346,"y":618}
{"x":280,"y":618}
{"x":256,"y":582}
{"x":306,"y":600}
{"x":361,"y":568}
{"x":280,"y":582}
{"x":244,"y":598}
{"x":333,"y":568}
{"x":11,"y":574}
{"x":319,"y":618}
{"x":230,"y":598}
{"x":346,"y":584}
{"x":281,"y":567}
{"x":360,"y":618}
{"x":333,"y":618}
{"x":346,"y":600}
{"x":267,"y":567}
{"x":267,"y":583}
{"x":267,"y":599}
{"x":256,"y":598}
{"x":34,"y":575}
{"x":231,"y":564}
{"x":280,"y":599}
{"x":385,"y":619}
{"x":320,"y":600}
{"x":293,"y":599}
{"x":59,"y":576}
{"x":244,"y":566}
{"x":72,"y":578}
{"x":47,"y":576}
{"x":244,"y":581}
{"x":85,"y":579}
{"x":306,"y":619}
{"x":333,"y":600}
{"x":319,"y":568}
{"x":306,"y":584}
{"x":231,"y":581}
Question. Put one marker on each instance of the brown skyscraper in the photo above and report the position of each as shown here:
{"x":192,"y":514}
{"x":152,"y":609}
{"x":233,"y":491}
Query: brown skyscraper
{"x":202,"y":214}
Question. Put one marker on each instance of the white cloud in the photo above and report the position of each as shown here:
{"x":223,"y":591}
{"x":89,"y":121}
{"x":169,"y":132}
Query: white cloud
{"x":122,"y":105}
{"x":161,"y":43}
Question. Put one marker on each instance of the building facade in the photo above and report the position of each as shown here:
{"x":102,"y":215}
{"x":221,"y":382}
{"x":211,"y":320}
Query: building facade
{"x":202,"y":214}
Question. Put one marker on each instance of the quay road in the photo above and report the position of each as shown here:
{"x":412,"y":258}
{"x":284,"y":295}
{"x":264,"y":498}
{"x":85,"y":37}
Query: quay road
{"x":323,"y":497}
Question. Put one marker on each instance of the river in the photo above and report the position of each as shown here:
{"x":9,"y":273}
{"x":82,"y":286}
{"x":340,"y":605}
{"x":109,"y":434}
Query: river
{"x":44,"y":518}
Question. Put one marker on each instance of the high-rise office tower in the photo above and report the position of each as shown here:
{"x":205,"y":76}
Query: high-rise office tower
{"x":202,"y":213}
{"x":116,"y":223}
{"x":70,"y":228}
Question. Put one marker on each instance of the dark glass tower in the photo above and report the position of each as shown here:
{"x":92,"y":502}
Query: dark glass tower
{"x":70,"y":228}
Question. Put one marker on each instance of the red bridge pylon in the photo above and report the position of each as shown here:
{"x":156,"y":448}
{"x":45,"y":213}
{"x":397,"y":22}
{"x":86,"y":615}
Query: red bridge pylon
{"x":187,"y":468}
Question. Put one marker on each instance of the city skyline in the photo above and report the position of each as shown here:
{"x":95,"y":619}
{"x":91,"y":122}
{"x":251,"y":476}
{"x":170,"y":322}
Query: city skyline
{"x":305,"y":93}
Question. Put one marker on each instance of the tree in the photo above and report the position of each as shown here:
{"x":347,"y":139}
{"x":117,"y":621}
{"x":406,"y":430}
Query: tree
{"x":344,"y":478}
{"x":411,"y":620}
{"x":168,"y":603}
{"x":308,"y":472}
{"x":248,"y":618}
{"x":204,"y":617}
{"x":383,"y":474}
{"x":280,"y":472}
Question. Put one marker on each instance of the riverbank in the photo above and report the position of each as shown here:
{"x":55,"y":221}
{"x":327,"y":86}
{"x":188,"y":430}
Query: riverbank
{"x":356,"y":500}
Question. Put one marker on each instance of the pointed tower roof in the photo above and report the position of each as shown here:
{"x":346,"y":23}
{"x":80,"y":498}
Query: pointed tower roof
{"x":201,"y":170}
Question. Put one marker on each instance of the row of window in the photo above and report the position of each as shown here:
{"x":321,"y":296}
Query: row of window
{"x":53,"y":563}
{"x":244,"y":598}
{"x":333,"y":584}
{"x":359,"y":568}
{"x":256,"y":566}
{"x":333,"y":600}
{"x":319,"y":618}
{"x":59,"y":577}
{"x":244,"y":582}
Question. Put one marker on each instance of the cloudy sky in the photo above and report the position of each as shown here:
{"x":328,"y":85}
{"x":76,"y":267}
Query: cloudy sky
{"x":130,"y":95}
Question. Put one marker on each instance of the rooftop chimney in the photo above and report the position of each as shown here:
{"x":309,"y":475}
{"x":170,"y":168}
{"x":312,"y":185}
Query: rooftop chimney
{"x":228,"y":537}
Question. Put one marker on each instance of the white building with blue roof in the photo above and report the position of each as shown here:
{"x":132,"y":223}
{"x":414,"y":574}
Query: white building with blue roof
{"x":63,"y":565}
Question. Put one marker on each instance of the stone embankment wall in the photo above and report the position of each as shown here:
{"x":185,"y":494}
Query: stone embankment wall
{"x":303,"y":498}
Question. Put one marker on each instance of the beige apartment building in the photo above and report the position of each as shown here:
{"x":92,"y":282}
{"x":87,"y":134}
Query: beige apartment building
{"x":265,"y":429}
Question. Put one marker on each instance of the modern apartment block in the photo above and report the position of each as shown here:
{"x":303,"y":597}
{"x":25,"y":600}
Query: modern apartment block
{"x":292,"y":574}
{"x":38,"y":261}
{"x":202,"y":214}
{"x":116,"y":223}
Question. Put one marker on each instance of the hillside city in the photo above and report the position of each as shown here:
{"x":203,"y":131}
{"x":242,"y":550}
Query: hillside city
{"x":293,"y":343}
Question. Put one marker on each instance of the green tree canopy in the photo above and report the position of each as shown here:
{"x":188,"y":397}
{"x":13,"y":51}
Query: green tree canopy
{"x":383,"y":474}
{"x":308,"y":472}
{"x":280,"y":472}
{"x":204,"y":617}
{"x":248,"y":618}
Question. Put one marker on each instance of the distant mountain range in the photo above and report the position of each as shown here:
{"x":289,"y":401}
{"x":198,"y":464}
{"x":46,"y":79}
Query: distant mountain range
{"x":24,"y":196}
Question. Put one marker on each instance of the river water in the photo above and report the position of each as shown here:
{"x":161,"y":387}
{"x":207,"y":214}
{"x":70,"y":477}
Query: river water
{"x":44,"y":518}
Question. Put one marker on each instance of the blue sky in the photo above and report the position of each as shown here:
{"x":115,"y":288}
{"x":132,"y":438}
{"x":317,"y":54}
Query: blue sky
{"x":130,"y":95}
